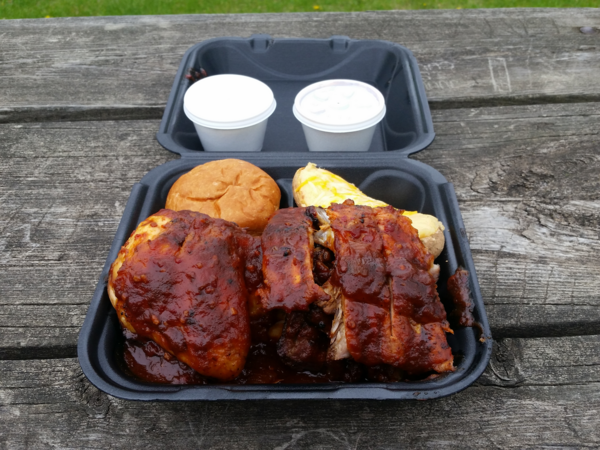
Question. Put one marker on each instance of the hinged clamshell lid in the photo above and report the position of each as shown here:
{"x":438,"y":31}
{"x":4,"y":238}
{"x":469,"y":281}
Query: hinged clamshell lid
{"x":287,"y":66}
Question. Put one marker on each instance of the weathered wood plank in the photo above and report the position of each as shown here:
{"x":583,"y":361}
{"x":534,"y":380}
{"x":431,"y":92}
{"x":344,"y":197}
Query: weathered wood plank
{"x":537,"y":393}
{"x":46,"y":341}
{"x":63,"y":188}
{"x":544,"y":362}
{"x":527,"y":192}
{"x":527,"y":182}
{"x":118,"y":67}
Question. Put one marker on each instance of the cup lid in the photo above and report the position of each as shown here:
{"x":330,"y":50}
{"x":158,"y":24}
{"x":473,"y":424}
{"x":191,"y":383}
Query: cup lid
{"x":339,"y":106}
{"x":228,"y":101}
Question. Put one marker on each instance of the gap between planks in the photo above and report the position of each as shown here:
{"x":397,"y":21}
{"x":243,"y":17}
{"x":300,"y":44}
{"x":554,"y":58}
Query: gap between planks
{"x":534,"y":392}
{"x":100,"y":113}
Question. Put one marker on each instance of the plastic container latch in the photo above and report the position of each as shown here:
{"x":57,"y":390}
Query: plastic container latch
{"x":339,"y":44}
{"x":260,"y":42}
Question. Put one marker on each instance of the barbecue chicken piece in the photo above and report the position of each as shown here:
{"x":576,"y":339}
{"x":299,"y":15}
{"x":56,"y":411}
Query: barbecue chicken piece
{"x":319,"y":187}
{"x":387,"y":309}
{"x":179,"y":280}
{"x":287,"y":247}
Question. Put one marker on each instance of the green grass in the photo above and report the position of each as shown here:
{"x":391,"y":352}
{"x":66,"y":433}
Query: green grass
{"x":22,"y":9}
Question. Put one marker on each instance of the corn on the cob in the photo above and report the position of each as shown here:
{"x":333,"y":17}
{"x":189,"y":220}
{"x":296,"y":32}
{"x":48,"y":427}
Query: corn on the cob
{"x":319,"y":187}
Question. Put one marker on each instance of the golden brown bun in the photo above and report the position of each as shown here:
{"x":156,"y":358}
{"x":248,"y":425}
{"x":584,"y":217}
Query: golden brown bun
{"x":229,"y":189}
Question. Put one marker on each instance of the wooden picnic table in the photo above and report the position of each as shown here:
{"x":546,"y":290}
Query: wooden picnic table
{"x":515,"y":98}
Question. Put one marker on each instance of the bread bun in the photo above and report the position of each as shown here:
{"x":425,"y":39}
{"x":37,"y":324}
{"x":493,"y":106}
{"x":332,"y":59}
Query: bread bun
{"x":229,"y":189}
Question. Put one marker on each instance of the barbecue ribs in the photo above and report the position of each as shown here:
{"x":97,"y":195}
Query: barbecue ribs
{"x":387,"y":309}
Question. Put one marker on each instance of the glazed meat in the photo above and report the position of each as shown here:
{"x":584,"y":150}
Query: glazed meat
{"x":348,"y":293}
{"x":148,"y":360}
{"x":179,"y":281}
{"x":360,"y":326}
{"x":287,"y":248}
{"x":304,"y":341}
{"x":384,"y":288}
{"x":323,"y":260}
{"x":458,"y":288}
{"x":250,"y":248}
{"x":417,"y":316}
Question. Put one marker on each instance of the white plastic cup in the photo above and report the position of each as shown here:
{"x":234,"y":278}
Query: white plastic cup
{"x":339,"y":115}
{"x":230,"y":112}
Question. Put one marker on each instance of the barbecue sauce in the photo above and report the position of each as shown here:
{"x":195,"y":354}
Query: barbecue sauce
{"x":458,"y":288}
{"x":147,"y":362}
{"x":185,"y":289}
{"x":370,"y":298}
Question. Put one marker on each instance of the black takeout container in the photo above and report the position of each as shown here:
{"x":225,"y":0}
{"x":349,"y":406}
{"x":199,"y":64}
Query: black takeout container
{"x":289,"y":65}
{"x":385,"y":173}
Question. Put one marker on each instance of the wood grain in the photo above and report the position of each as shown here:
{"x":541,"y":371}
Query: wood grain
{"x":63,"y":188}
{"x":515,"y":95}
{"x":527,"y":181}
{"x":123,"y":67}
{"x":525,"y":176}
{"x":536,"y":393}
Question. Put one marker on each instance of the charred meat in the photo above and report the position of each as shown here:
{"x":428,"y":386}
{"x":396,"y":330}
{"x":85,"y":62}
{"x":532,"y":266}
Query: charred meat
{"x":287,"y":248}
{"x":305,"y":339}
{"x":179,"y":281}
{"x":388,"y":310}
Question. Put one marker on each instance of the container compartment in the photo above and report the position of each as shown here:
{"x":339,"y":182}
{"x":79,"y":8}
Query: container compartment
{"x":289,"y":65}
{"x":403,"y":183}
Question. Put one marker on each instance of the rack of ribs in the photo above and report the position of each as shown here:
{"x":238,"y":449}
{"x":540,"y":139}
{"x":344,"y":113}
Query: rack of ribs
{"x":387,"y":309}
{"x":287,"y":248}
